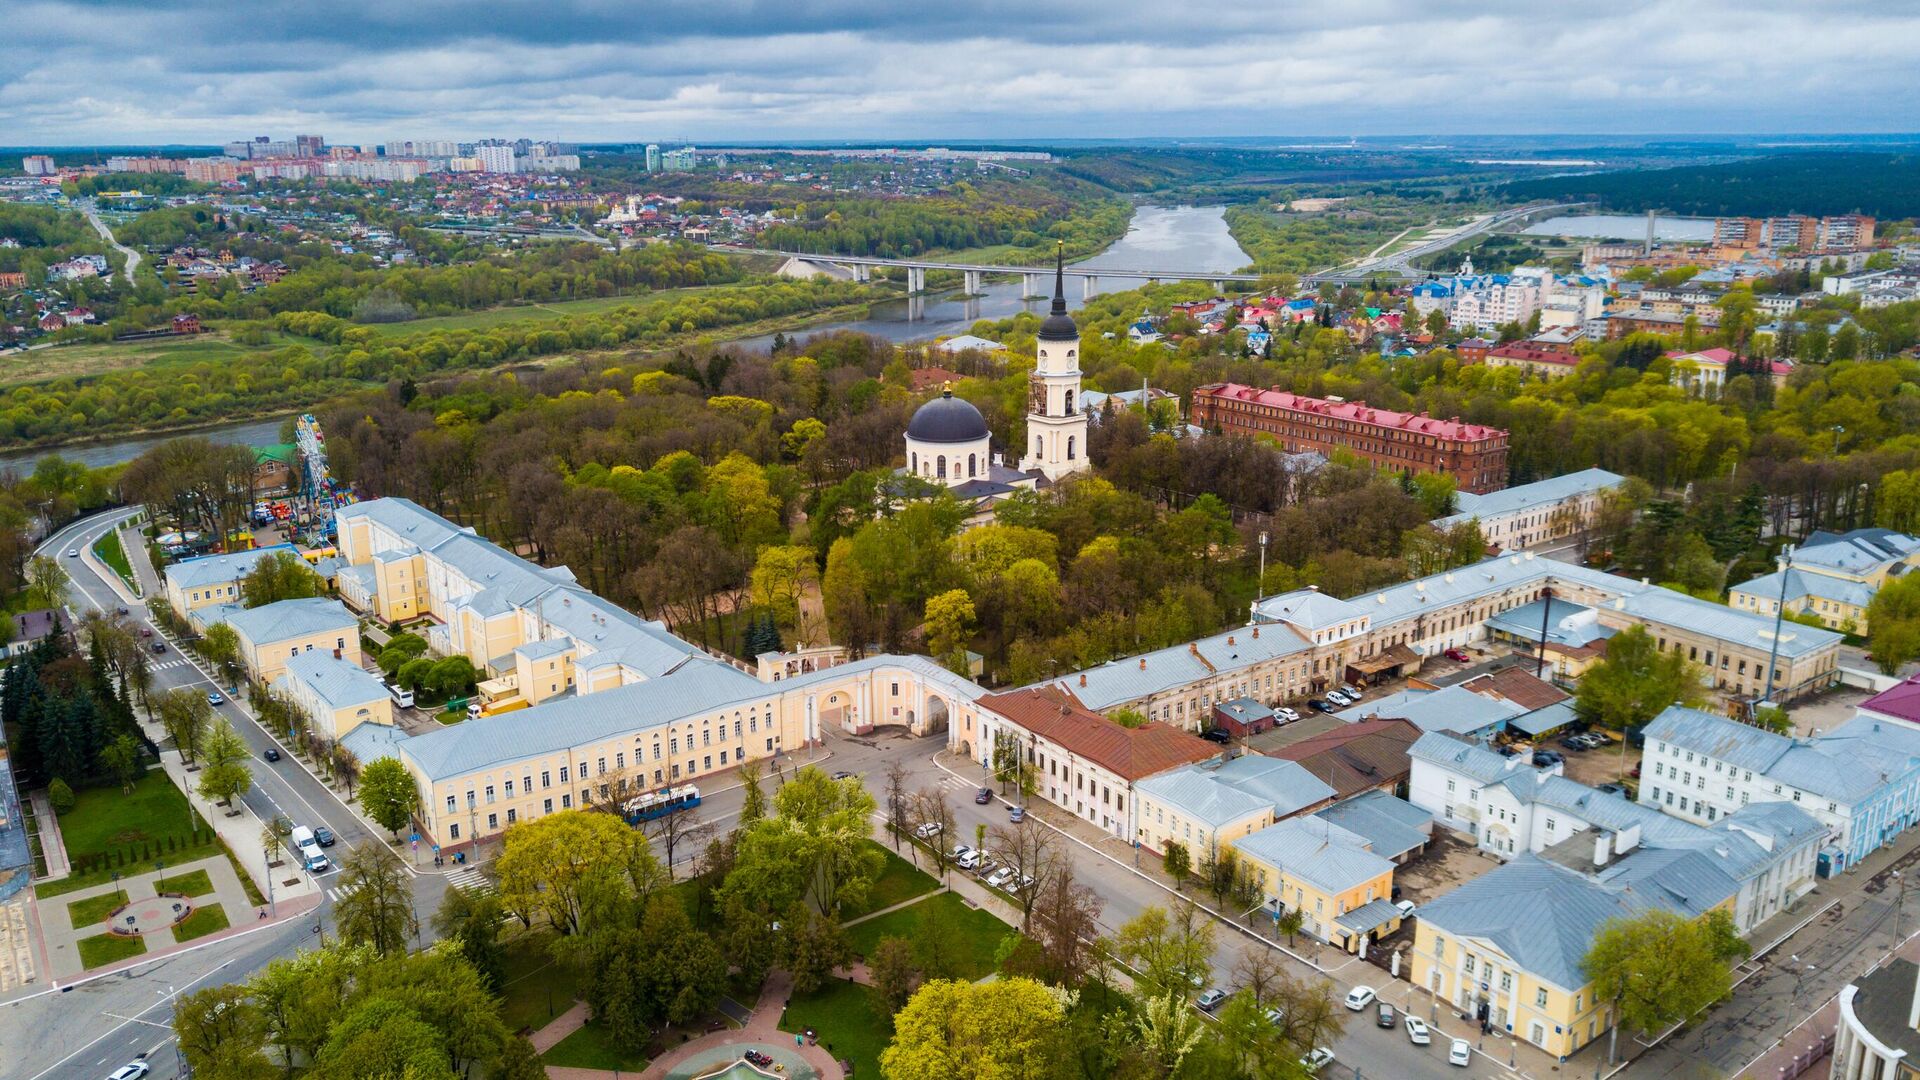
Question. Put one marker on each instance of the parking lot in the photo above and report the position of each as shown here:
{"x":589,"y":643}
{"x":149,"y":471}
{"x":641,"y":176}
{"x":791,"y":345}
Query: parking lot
{"x":1448,"y":863}
{"x":1605,"y":765}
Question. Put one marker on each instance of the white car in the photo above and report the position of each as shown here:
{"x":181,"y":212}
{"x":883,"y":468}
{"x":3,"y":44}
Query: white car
{"x":132,"y":1070}
{"x":1287,"y":716}
{"x":1417,"y":1032}
{"x":1351,"y":691}
{"x":1338,"y":698}
{"x":971,"y":859}
{"x":74,"y":553}
{"x":959,"y":852}
{"x":1359,"y":997}
{"x":1319,"y":1058}
{"x":1460,"y":1052}
{"x":1001,"y":878}
{"x":1406,"y":907}
{"x":927,"y":830}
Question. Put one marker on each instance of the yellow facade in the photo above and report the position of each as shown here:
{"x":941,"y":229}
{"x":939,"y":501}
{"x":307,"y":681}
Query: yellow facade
{"x":400,"y":587}
{"x":1466,"y":971}
{"x":219,"y":592}
{"x":347,"y":718}
{"x":1161,"y":824}
{"x":266,"y":661}
{"x":1318,"y":907}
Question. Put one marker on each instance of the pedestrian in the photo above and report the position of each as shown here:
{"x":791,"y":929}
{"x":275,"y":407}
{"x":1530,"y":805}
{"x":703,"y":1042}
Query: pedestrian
{"x":263,"y":913}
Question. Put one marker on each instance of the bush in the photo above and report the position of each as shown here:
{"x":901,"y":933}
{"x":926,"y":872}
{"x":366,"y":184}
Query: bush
{"x":60,"y":795}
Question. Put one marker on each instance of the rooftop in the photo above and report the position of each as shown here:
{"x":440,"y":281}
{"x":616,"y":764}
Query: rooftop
{"x":1452,"y":708}
{"x":286,"y":619}
{"x":339,"y":683}
{"x":1540,"y":493}
{"x":1352,"y":758}
{"x":1131,"y":753}
{"x":1358,"y":412}
{"x":1317,"y":851}
{"x":1542,"y":915}
{"x":220,"y":569}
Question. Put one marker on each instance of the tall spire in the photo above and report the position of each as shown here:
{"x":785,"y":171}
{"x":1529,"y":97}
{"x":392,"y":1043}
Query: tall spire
{"x":1059,"y":279}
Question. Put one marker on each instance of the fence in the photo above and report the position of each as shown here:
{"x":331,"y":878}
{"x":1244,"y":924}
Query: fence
{"x":1806,"y":1060}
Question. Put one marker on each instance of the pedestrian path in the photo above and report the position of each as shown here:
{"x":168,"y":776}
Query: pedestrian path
{"x":168,"y":665}
{"x":469,"y":880}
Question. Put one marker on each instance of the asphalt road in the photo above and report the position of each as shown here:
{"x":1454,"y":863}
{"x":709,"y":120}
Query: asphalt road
{"x":92,"y":1028}
{"x":92,"y":212}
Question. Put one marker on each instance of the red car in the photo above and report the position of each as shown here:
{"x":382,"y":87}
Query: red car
{"x":1459,"y":655}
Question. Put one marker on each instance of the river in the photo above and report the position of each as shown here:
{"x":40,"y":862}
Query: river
{"x":1622,"y":227}
{"x":1163,"y":237}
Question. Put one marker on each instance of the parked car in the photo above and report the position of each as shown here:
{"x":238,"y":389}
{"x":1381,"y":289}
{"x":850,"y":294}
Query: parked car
{"x":323,"y":836}
{"x":1417,"y":1032}
{"x":1016,"y":814}
{"x":1352,"y":691}
{"x":1547,"y":757}
{"x":1459,"y":656}
{"x":1406,"y":907}
{"x":1339,"y":699}
{"x":927,"y":830}
{"x":1286,"y":716}
{"x":1001,"y":878}
{"x":1318,"y":705}
{"x":1573,"y":742}
{"x":132,"y":1070}
{"x":1026,"y":882}
{"x":843,"y":775}
{"x":959,"y":852}
{"x":983,"y":796}
{"x":1383,"y":1016}
{"x":271,"y":754}
{"x":1318,"y":1058}
{"x":1460,"y":1052}
{"x":214,"y":698}
{"x":1219,"y":735}
{"x":1614,"y":789}
{"x":159,"y":646}
{"x":1635,"y":771}
{"x":120,"y":611}
{"x":971,"y":859}
{"x":1211,"y":1000}
{"x":1359,"y":997}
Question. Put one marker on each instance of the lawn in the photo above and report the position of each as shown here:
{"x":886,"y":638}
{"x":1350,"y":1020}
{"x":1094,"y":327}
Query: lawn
{"x":981,"y":932}
{"x":531,"y":979}
{"x":899,"y":882}
{"x":850,"y":1019}
{"x":126,"y":834}
{"x":103,"y":949}
{"x":94,"y":908}
{"x":94,"y":358}
{"x":196,"y":883}
{"x":110,"y":552}
{"x":519,"y":313}
{"x":206,"y":920}
{"x":589,"y":1048}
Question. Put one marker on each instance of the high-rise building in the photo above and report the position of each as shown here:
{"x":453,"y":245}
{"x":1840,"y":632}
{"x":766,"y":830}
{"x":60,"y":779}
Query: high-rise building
{"x":495,"y":159}
{"x":680,"y":160}
{"x":309,"y":146}
{"x":1738,"y":232}
{"x":38,"y":165}
{"x":1846,"y":232}
{"x":548,"y":163}
{"x":653,"y":157}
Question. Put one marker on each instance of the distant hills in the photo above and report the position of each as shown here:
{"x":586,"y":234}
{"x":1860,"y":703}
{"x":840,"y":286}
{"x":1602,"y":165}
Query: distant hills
{"x":1886,"y":186}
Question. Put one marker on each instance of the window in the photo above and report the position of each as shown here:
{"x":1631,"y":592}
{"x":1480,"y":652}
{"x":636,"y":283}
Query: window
{"x":453,"y":831}
{"x":493,"y":822}
{"x":566,"y":801}
{"x":509,"y":789}
{"x":563,"y":773}
{"x":546,"y":779}
{"x":512,"y":815}
{"x":450,"y":804}
{"x":489,"y":792}
{"x":620,"y":760}
{"x":546,"y":806}
{"x":1540,"y":999}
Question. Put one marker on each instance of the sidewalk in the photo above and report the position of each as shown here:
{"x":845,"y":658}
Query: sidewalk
{"x":52,"y":848}
{"x":717,"y":1049}
{"x":241,"y":834}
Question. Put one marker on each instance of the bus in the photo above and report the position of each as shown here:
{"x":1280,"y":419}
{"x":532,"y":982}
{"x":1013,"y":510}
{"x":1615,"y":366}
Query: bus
{"x":658,"y":804}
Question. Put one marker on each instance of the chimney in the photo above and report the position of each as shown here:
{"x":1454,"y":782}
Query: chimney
{"x":1143,"y":663}
{"x":1083,"y":678}
{"x":1602,"y":849}
{"x":1256,"y":633}
{"x":1627,"y":839}
{"x":336,"y":654}
{"x":1229,"y":639}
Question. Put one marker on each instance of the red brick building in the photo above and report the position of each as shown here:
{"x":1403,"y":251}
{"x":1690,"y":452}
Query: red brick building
{"x":1474,"y":455}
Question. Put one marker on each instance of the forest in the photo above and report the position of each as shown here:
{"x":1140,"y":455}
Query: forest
{"x":45,"y":235}
{"x":1028,"y":216}
{"x":1882,"y":185}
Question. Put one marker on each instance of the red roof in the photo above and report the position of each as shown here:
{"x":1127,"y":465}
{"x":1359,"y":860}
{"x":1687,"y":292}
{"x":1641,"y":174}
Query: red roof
{"x":1520,"y":350}
{"x":1357,"y":757}
{"x":1723,"y":357}
{"x":1356,"y":411}
{"x":1131,"y":753}
{"x":1902,"y":701}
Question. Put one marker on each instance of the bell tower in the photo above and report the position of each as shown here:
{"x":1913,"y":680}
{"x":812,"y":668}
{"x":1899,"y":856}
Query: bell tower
{"x":1056,"y":427}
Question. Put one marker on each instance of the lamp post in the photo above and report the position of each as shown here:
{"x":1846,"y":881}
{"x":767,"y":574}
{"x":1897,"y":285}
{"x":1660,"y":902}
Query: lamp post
{"x":172,"y":998}
{"x":1779,"y":619}
{"x":266,"y":857}
{"x":1260,"y":585}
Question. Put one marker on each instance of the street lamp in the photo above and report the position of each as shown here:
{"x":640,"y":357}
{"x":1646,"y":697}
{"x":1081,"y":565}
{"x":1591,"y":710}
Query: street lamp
{"x":179,"y":1053}
{"x":1260,"y":585}
{"x":273,"y":905}
{"x":1779,"y":619}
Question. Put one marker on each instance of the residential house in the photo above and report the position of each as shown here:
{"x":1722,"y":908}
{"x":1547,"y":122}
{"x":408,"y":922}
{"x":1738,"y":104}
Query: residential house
{"x":1544,"y":512}
{"x":1833,"y":577}
{"x":335,"y":694}
{"x":1342,"y":889}
{"x":1205,"y":807}
{"x":213,"y":579}
{"x":273,"y":634}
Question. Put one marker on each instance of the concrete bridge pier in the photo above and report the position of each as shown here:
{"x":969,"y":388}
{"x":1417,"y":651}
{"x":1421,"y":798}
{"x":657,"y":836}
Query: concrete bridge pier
{"x":1153,"y":281}
{"x":862,"y":272}
{"x":1089,"y":287}
{"x":1030,"y":286}
{"x":972,"y":287}
{"x":1220,"y":288}
{"x":916,"y":280}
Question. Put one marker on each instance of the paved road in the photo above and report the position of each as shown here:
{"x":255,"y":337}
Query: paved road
{"x":1401,"y":262}
{"x":108,"y":1021}
{"x":92,"y":211}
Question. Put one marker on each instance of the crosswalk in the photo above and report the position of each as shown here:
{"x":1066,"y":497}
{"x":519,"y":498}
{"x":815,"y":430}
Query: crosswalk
{"x":467,"y":880}
{"x":168,"y":665}
{"x":954,"y":783}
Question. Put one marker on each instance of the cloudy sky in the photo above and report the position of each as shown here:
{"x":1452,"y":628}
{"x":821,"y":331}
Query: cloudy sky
{"x":75,"y":72}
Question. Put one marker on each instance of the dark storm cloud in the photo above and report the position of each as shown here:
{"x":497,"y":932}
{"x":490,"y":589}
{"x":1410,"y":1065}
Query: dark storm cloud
{"x":73,"y":71}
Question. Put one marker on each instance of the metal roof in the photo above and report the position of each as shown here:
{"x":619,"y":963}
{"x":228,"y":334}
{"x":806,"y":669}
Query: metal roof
{"x":1392,"y":827}
{"x":1316,"y":851}
{"x":1452,"y":708}
{"x":1540,"y":493}
{"x":286,"y":619}
{"x":1542,"y":915}
{"x":339,"y":683}
{"x":220,"y":569}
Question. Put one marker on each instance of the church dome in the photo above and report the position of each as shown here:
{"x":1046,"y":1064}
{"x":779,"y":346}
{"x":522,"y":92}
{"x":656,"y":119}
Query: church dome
{"x":947,"y":419}
{"x":1058,"y":325}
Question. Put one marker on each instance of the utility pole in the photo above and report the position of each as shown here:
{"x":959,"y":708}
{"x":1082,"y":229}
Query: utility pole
{"x":1782,"y":560}
{"x":272,"y":904}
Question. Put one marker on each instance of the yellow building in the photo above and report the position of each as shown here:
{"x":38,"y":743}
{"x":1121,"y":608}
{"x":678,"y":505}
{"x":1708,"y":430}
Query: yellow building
{"x":336,"y":695}
{"x":272,"y":634}
{"x":213,"y":579}
{"x":1328,"y":873}
{"x":1832,"y":577}
{"x":1211,"y":806}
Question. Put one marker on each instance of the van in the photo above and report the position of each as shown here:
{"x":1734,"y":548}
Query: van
{"x":314,"y":860}
{"x":473,"y":711}
{"x":302,"y":837}
{"x":401,"y":696}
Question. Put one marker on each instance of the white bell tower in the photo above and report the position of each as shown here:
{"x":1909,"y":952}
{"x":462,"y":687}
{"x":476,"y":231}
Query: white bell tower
{"x":1056,"y":427}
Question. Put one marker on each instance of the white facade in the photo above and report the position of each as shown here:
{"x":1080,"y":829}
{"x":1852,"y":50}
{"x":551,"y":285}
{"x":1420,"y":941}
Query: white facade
{"x":495,"y":159}
{"x":1056,"y":428}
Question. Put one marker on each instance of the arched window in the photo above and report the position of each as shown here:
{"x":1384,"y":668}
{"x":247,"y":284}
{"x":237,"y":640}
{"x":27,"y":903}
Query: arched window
{"x":940,"y":468}
{"x":1069,"y":354}
{"x":1036,"y":446}
{"x":913,"y":463}
{"x":1069,"y":411}
{"x":1069,"y":448}
{"x":970,"y":467}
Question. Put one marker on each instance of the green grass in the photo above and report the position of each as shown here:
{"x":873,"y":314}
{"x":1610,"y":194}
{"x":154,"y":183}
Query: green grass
{"x":95,"y":908}
{"x":849,"y":1018}
{"x":589,"y":1048}
{"x":518,"y":313}
{"x":981,"y":932}
{"x":103,"y":949}
{"x":195,"y":883}
{"x":530,"y":974}
{"x":899,"y":882}
{"x":128,"y":833}
{"x":206,"y":920}
{"x":110,"y":552}
{"x":450,"y":717}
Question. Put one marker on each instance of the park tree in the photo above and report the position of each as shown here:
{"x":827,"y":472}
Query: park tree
{"x":185,"y":716}
{"x":952,"y":1030}
{"x":279,"y":576}
{"x":1637,"y":681}
{"x":1658,"y":967}
{"x":221,"y":646}
{"x":225,"y":775}
{"x":376,"y":902}
{"x":548,"y":866}
{"x":1893,"y":623}
{"x":753,"y":803}
{"x":121,"y":758}
{"x":46,"y":582}
{"x":221,"y":1033}
{"x":1177,"y":863}
{"x":1172,"y":950}
{"x":895,"y":974}
{"x":782,"y":577}
{"x":389,"y":795}
{"x":473,"y":921}
{"x":950,"y":626}
{"x":814,"y":848}
{"x":1065,"y":919}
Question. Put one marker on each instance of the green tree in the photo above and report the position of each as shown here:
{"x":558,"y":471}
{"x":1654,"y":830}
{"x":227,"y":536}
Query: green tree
{"x":895,"y":973}
{"x":1177,"y":862}
{"x":226,"y":774}
{"x":474,"y":920}
{"x":1659,"y":968}
{"x":1893,"y":623}
{"x":953,"y":1030}
{"x":950,"y":626}
{"x":1637,"y":681}
{"x":185,"y":715}
{"x":782,"y":577}
{"x":813,"y":849}
{"x":122,"y":758}
{"x":221,"y":1032}
{"x":1172,"y":951}
{"x":376,"y":902}
{"x":279,"y":576}
{"x":46,"y":582}
{"x":389,"y":794}
{"x":221,"y":646}
{"x":554,"y":864}
{"x":60,"y":796}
